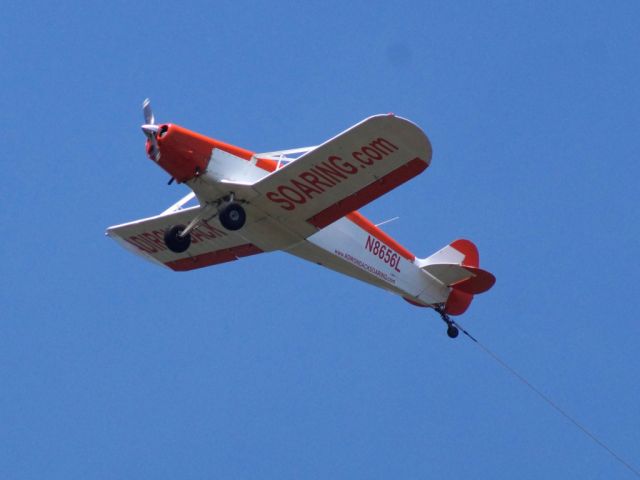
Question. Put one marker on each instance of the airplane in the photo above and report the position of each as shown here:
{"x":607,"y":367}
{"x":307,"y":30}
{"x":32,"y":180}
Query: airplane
{"x":302,"y":201}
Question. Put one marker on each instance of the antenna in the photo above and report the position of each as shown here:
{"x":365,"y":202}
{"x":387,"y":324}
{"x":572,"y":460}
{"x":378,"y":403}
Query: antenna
{"x":387,"y":221}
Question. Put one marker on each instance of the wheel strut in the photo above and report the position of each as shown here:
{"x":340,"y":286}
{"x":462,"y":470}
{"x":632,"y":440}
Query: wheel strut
{"x":452,"y":330}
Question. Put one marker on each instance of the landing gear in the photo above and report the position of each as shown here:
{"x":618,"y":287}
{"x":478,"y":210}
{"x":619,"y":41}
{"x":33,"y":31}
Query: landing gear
{"x":175,"y":241}
{"x":232,"y":216}
{"x":230,"y":213}
{"x":452,"y":330}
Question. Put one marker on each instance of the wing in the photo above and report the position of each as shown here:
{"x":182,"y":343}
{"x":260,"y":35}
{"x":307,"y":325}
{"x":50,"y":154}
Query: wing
{"x":343,"y":174}
{"x":210,"y":243}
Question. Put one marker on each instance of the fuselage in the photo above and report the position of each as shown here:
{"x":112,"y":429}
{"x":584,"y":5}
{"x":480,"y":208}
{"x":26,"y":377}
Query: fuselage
{"x":307,"y":206}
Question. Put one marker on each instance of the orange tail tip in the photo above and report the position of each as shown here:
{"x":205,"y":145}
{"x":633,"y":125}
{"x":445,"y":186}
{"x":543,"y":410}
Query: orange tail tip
{"x":469,"y":250}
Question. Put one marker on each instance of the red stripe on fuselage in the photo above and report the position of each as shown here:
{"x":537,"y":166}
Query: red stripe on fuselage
{"x":267,"y":164}
{"x":189,"y":138}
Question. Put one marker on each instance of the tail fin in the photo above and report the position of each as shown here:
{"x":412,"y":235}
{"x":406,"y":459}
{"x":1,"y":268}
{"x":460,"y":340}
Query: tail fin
{"x":458,"y":266}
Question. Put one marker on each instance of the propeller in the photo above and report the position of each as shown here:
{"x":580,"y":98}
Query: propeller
{"x":150,"y":129}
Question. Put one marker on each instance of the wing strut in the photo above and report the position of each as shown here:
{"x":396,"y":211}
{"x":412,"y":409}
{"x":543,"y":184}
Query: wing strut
{"x":179,"y":204}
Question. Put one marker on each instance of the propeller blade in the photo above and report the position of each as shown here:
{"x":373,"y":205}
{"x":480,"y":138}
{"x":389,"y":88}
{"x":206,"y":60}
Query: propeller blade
{"x":150,"y":129}
{"x":149,"y":119}
{"x":155,"y":149}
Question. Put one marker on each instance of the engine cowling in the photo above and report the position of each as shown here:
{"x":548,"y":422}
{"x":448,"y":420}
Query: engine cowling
{"x":184,"y":154}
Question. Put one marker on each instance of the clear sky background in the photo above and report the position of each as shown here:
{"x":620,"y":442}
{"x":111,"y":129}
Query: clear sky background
{"x":270,"y":367}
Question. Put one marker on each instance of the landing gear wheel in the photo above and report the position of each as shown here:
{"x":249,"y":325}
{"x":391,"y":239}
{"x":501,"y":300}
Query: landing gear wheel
{"x":233,"y":216}
{"x":174,"y":241}
{"x":452,"y":331}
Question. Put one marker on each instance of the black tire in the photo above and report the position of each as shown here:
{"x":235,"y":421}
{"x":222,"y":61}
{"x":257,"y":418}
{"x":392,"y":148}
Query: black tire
{"x":452,"y":331}
{"x":233,"y":216}
{"x":174,"y":241}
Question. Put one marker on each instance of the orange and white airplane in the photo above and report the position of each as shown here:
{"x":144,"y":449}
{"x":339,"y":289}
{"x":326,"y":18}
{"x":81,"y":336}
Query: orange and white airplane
{"x":302,"y":201}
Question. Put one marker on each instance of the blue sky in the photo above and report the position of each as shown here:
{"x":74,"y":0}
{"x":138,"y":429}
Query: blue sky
{"x":270,"y":367}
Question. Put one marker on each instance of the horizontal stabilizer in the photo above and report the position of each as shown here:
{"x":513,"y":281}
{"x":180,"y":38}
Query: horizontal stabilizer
{"x":471,"y":280}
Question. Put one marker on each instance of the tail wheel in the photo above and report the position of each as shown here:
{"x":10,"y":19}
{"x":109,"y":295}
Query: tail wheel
{"x":232,"y":216}
{"x":174,"y":241}
{"x":452,"y":331}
